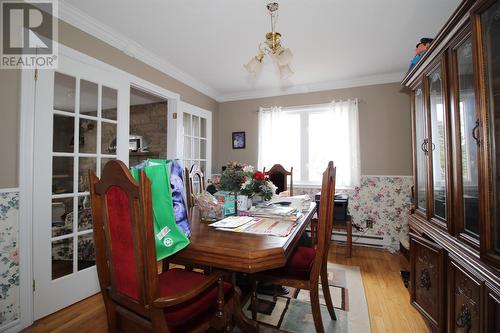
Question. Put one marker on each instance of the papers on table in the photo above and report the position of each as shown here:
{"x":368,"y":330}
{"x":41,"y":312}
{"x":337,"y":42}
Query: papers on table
{"x":299,"y":202}
{"x":232,"y":222}
{"x":276,"y":211}
{"x":253,"y":225}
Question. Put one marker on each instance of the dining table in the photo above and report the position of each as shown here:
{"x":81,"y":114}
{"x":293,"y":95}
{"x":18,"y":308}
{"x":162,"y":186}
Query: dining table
{"x":240,"y":252}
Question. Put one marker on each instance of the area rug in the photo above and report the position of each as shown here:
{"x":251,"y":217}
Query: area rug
{"x":293,"y":313}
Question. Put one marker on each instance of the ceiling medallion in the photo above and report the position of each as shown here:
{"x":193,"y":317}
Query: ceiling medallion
{"x":272,"y":47}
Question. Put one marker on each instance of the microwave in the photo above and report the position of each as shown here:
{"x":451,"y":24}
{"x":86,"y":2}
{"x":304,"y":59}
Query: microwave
{"x":135,"y":143}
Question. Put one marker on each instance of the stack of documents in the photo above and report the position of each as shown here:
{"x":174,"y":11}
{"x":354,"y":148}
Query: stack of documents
{"x":262,"y":226}
{"x":232,"y":222}
{"x":276,"y":212}
{"x":299,"y":202}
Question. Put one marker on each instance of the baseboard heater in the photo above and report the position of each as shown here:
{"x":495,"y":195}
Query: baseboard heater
{"x":358,"y":239}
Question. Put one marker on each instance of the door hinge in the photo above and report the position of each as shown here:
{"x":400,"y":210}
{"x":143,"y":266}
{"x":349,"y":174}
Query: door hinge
{"x":36,"y":74}
{"x":33,"y":285}
{"x":174,"y":115}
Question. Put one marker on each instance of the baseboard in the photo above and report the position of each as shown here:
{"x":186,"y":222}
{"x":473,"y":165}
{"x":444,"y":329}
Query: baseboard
{"x":13,"y":326}
{"x":359,"y":239}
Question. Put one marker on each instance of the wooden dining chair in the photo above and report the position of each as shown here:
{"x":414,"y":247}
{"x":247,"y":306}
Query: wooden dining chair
{"x":136,"y":297}
{"x":195,"y":183}
{"x":307,"y":264}
{"x":278,"y":175}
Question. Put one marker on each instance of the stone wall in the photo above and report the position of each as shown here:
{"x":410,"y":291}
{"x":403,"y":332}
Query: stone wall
{"x":150,"y":121}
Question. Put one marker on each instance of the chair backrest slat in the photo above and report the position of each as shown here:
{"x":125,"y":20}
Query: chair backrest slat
{"x":325,"y":219}
{"x":278,"y":175}
{"x":194,"y":176}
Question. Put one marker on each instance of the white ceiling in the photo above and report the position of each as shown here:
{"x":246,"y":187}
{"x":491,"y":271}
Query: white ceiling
{"x":205,"y":43}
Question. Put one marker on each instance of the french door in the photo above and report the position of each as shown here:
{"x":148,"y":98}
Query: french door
{"x":196,"y":137}
{"x":81,"y":122}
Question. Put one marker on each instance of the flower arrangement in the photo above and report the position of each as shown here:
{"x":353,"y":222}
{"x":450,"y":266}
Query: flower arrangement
{"x":245,"y":179}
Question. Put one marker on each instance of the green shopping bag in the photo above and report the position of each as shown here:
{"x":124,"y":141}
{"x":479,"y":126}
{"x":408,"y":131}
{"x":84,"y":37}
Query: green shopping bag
{"x":169,"y":237}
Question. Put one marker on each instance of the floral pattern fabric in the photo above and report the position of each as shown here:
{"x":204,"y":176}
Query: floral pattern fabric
{"x":385,"y":200}
{"x":9,"y":258}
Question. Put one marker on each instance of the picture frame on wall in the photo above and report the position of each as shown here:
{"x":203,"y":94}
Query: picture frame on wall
{"x":238,"y":139}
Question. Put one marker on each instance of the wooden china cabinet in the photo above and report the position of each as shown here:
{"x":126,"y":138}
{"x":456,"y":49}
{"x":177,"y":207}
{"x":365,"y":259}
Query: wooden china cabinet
{"x":455,"y":219}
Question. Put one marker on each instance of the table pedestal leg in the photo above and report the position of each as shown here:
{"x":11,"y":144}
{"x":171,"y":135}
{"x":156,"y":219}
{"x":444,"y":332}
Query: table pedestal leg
{"x":242,"y":321}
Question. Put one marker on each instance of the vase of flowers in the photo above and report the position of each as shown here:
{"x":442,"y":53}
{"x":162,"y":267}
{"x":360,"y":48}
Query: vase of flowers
{"x":258,"y":187}
{"x":244,"y":179}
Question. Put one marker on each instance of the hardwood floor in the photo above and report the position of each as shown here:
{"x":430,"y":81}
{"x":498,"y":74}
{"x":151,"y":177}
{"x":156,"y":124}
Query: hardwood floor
{"x":388,"y":299}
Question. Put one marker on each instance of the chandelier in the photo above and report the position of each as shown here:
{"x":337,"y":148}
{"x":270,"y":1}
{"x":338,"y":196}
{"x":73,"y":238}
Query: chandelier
{"x":272,"y":47}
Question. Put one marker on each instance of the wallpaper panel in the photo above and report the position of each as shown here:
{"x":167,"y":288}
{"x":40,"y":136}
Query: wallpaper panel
{"x":385,"y":200}
{"x":9,"y":258}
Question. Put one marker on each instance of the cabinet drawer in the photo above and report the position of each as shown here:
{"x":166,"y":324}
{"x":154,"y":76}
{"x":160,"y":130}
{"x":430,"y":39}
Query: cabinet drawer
{"x":464,"y":296}
{"x":427,"y":261}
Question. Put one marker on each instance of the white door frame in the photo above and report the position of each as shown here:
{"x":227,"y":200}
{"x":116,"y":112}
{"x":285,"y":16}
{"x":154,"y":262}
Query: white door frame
{"x":26,"y":169}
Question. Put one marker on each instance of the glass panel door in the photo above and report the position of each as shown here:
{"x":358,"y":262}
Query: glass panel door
{"x":421,"y":150}
{"x":196,"y":125}
{"x":468,"y":125}
{"x":437,"y":145}
{"x":76,"y":150}
{"x":490,"y":21}
{"x":76,"y":130}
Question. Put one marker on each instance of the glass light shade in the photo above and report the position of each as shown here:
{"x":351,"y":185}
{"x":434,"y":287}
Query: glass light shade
{"x":253,"y":66}
{"x":284,"y":57}
{"x":285,"y":72}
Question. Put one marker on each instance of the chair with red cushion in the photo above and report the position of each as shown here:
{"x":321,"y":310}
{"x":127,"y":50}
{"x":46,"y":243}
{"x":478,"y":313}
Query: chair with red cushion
{"x":306,"y":264}
{"x":137,"y":298}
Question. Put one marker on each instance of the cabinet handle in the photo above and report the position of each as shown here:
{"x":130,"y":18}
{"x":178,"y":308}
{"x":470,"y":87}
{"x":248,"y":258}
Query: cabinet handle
{"x":464,"y":318}
{"x":425,"y":279}
{"x":475,"y":132}
{"x":423,"y":146}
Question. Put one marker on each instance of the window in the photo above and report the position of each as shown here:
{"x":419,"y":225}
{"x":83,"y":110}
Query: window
{"x":306,"y":138}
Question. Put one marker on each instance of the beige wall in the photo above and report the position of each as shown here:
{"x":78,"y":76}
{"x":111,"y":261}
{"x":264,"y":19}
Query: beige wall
{"x":384,"y":125}
{"x":9,"y":127}
{"x":85,"y":43}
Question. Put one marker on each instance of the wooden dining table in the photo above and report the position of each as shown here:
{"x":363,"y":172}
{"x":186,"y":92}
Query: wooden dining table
{"x":240,"y":252}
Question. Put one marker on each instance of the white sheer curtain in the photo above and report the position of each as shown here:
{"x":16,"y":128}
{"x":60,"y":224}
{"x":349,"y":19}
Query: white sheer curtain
{"x":308,"y":137}
{"x":343,"y":132}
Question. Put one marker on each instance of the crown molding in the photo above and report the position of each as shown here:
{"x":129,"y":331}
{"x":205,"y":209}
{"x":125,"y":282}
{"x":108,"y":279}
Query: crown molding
{"x":88,"y":24}
{"x":313,"y":87}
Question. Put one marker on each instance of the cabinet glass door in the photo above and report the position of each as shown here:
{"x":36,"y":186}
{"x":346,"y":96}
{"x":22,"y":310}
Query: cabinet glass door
{"x":490,"y":21}
{"x":437,"y":145}
{"x":421,"y":155}
{"x":468,"y":127}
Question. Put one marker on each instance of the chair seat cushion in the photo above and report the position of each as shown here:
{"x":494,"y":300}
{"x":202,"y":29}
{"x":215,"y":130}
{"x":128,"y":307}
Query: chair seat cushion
{"x":301,"y":262}
{"x":299,"y":265}
{"x":178,"y":280}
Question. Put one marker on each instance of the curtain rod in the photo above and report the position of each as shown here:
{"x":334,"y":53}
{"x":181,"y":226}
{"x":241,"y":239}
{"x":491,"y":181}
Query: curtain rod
{"x":310,"y":106}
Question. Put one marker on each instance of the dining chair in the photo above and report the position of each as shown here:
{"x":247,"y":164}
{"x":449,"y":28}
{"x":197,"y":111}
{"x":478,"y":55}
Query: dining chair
{"x":136,"y":297}
{"x":195,"y":183}
{"x":307,"y":264}
{"x":278,"y":175}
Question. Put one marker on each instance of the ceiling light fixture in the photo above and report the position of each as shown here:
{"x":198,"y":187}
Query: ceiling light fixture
{"x":272,"y":47}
